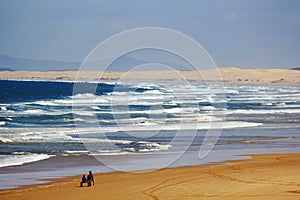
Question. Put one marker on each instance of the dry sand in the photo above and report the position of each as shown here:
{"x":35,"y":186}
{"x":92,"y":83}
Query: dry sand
{"x":262,"y":177}
{"x":228,"y":75}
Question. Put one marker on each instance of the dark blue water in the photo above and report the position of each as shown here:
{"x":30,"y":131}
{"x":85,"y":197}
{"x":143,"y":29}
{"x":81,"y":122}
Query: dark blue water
{"x":39,"y":119}
{"x":59,"y":128}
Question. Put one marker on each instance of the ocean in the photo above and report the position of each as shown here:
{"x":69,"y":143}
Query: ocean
{"x":54,"y":129}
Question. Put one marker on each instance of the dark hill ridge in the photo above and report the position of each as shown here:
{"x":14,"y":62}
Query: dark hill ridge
{"x":6,"y":69}
{"x":295,"y":68}
{"x":125,"y":63}
{"x":26,"y":64}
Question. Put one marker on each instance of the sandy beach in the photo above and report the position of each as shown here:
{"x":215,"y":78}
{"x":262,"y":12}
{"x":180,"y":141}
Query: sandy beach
{"x":160,"y":100}
{"x":227,"y":75}
{"x":261,"y":177}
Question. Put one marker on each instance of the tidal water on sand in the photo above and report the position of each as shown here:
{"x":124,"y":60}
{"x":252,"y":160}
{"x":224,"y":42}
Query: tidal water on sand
{"x":48,"y":129}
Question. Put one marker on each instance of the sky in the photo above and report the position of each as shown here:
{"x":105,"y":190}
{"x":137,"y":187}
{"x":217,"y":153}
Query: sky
{"x":246,"y":34}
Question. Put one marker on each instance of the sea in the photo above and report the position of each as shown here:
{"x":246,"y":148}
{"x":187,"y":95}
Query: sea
{"x":52,"y":129}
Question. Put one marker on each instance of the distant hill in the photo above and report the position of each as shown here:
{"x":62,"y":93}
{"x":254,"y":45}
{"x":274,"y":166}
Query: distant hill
{"x":6,"y":69}
{"x":296,"y":68}
{"x":125,"y":63}
{"x":26,"y":64}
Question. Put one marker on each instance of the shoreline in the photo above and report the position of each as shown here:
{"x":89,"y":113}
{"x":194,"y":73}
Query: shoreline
{"x":228,"y":75}
{"x":35,"y":173}
{"x":260,"y":177}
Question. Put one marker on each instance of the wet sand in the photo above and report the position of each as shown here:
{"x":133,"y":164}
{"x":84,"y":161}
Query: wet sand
{"x":262,"y":177}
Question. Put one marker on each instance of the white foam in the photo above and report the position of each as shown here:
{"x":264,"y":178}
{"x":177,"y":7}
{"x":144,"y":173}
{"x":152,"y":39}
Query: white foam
{"x":144,"y":147}
{"x":147,"y":86}
{"x":153,"y":92}
{"x":95,"y":108}
{"x":3,"y":108}
{"x":233,"y":124}
{"x":42,"y":112}
{"x":72,"y":120}
{"x":76,"y":100}
{"x":180,"y":126}
{"x":118,"y":93}
{"x":36,"y":111}
{"x":146,"y":124}
{"x":171,"y":103}
{"x":159,"y":111}
{"x":44,"y":103}
{"x":41,"y":135}
{"x":76,"y":152}
{"x":109,"y":153}
{"x":279,"y":111}
{"x":132,"y":98}
{"x":143,"y":121}
{"x":12,"y":160}
{"x":133,"y":120}
{"x":99,"y":140}
{"x":83,"y":113}
{"x":4,"y":140}
{"x":151,"y":146}
{"x":2,"y":123}
{"x":208,"y":108}
{"x":194,"y":118}
{"x":275,"y":104}
{"x":228,"y":91}
{"x":129,"y":149}
{"x":141,"y":103}
{"x":280,"y":105}
{"x":83,"y":96}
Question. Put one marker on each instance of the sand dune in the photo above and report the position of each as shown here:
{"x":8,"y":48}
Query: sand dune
{"x":227,"y":75}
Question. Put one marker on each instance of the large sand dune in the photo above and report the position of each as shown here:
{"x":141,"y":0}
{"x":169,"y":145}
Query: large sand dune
{"x":227,"y":75}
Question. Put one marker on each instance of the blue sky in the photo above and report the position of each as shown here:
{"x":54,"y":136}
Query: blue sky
{"x":247,"y":34}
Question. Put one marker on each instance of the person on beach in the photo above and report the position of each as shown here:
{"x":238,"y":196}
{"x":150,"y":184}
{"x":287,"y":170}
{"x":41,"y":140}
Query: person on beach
{"x":83,"y":180}
{"x":90,"y":179}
